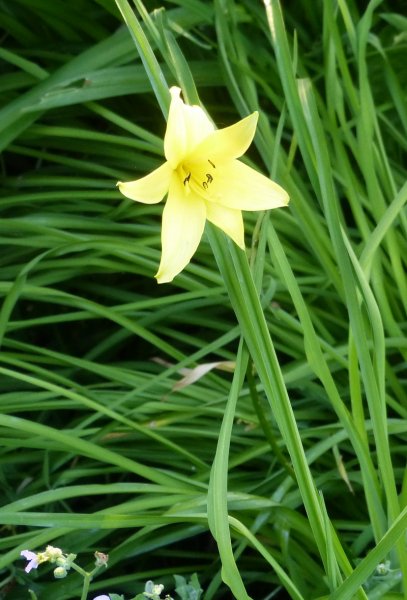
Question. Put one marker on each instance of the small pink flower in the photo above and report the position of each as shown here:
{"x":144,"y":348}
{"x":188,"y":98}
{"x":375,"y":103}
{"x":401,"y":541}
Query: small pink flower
{"x":32,"y":558}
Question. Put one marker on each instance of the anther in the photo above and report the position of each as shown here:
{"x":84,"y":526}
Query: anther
{"x":187,"y":178}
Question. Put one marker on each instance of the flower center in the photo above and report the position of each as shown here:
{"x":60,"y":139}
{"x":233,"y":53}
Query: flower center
{"x":197,"y":177}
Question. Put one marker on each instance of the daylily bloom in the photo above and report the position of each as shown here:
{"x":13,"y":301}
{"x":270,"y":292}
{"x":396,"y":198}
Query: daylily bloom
{"x":203,"y":180}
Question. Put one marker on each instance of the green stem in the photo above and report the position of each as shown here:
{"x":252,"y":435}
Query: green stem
{"x":87,"y":578}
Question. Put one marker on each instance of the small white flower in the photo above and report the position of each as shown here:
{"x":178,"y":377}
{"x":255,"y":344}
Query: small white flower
{"x":104,"y":597}
{"x":383,"y":568}
{"x":32,"y":558}
{"x":50,"y":554}
{"x":158,"y":588}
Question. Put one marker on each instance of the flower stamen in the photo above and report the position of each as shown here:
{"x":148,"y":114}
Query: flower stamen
{"x":209,"y":180}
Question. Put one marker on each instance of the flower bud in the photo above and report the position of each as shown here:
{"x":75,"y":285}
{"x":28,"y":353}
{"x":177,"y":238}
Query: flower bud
{"x":59,"y":573}
{"x":53,"y":553}
{"x":101,"y":559}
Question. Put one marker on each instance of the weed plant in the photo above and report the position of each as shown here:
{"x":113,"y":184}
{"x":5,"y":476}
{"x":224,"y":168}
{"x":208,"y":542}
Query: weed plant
{"x":285,"y":478}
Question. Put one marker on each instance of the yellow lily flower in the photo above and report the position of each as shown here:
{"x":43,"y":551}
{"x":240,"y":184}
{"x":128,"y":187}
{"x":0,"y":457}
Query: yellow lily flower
{"x":203,"y":180}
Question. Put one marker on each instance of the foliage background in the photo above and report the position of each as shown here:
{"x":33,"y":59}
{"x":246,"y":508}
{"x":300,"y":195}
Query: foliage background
{"x":100,"y":448}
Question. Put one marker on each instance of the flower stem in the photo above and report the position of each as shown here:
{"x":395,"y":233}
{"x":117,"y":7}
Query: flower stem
{"x":87,"y":578}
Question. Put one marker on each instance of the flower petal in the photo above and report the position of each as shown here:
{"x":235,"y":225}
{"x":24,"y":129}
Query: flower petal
{"x":32,"y":558}
{"x":175,"y":139}
{"x":198,"y":126}
{"x":28,"y":554}
{"x":228,"y":143}
{"x":227,"y":219}
{"x":182,"y":228}
{"x":149,"y":189}
{"x":238,"y":186}
{"x":187,"y":126}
